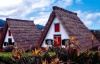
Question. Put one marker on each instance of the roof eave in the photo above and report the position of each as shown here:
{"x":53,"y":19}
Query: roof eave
{"x":48,"y":24}
{"x":3,"y":34}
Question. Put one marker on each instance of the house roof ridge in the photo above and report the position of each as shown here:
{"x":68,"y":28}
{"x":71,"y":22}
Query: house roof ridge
{"x":58,"y":8}
{"x":18,"y":19}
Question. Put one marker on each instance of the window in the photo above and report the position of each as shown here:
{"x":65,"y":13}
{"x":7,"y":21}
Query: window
{"x":57,"y":27}
{"x":64,"y":41}
{"x":10,"y":41}
{"x":49,"y":41}
{"x":5,"y":43}
{"x":9,"y":33}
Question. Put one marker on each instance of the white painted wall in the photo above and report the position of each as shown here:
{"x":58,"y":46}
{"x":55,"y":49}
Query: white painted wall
{"x":51,"y":32}
{"x":7,"y":36}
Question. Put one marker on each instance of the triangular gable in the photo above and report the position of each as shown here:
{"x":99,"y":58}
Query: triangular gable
{"x":51,"y":32}
{"x":7,"y":37}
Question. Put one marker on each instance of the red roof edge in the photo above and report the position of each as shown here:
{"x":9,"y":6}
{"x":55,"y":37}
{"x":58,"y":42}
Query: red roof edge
{"x":48,"y":24}
{"x":57,"y":8}
{"x":3,"y":34}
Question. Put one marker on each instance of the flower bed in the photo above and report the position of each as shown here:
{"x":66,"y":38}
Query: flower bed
{"x":52,"y":55}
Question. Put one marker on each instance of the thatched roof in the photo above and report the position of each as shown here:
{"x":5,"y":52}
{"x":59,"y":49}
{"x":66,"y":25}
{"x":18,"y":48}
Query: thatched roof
{"x":25,"y":32}
{"x":96,"y":34}
{"x":73,"y":26}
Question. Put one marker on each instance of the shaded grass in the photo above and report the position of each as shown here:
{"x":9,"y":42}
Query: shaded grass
{"x":8,"y":55}
{"x":5,"y":55}
{"x":28,"y":54}
{"x":93,"y":52}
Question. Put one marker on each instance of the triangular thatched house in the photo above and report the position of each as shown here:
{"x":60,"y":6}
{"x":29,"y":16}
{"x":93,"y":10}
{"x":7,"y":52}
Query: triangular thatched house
{"x":20,"y":33}
{"x":61,"y":25}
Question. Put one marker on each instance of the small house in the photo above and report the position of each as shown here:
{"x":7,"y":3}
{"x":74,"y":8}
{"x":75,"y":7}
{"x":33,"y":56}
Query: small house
{"x":20,"y":33}
{"x":63,"y":24}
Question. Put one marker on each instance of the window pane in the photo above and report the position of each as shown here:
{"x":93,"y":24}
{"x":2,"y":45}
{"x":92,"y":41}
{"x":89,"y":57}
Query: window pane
{"x":57,"y":27}
{"x":49,"y":41}
{"x":5,"y":43}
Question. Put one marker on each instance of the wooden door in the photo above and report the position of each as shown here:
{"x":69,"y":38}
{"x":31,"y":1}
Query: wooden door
{"x":9,"y":41}
{"x":57,"y":40}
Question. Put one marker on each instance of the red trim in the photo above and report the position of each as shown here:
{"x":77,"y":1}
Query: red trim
{"x":1,"y":49}
{"x":9,"y":33}
{"x":3,"y":34}
{"x":57,"y":27}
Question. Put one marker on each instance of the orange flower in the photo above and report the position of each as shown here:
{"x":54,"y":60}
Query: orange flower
{"x":19,"y":56}
{"x":72,"y":38}
{"x":67,"y":44}
{"x":17,"y":53}
{"x":35,"y":52}
{"x":44,"y":62}
{"x":46,"y":48}
{"x":55,"y":61}
{"x":78,"y":54}
{"x":76,"y":42}
{"x":92,"y":36}
{"x":88,"y":52}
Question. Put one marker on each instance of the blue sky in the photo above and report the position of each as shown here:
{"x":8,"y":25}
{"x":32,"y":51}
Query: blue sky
{"x":39,"y":10}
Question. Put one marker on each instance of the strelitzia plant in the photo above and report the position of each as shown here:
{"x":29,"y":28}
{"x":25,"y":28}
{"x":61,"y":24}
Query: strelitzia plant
{"x":46,"y":48}
{"x":55,"y":61}
{"x":52,"y":54}
{"x":78,"y":53}
{"x":36,"y":51}
{"x":16,"y":53}
{"x":88,"y":52}
{"x":44,"y":62}
{"x":41,"y":54}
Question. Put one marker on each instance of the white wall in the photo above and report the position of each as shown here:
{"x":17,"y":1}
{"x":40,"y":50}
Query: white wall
{"x":51,"y":32}
{"x":7,"y":36}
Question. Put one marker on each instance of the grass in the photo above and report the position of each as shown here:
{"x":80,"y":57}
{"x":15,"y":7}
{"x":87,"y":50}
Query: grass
{"x":5,"y":55}
{"x":8,"y":55}
{"x":27,"y":54}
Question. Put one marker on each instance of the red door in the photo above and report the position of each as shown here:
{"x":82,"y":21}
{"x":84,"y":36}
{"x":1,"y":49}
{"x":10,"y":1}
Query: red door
{"x":57,"y":40}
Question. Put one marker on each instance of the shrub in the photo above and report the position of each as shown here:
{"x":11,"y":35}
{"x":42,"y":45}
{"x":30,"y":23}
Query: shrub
{"x":8,"y":48}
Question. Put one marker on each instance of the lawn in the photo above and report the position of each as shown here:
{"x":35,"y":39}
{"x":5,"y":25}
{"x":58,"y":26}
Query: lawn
{"x":8,"y":55}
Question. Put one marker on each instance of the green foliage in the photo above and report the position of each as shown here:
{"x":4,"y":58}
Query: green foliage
{"x":41,"y":54}
{"x":5,"y":55}
{"x":52,"y":54}
{"x":27,"y":54}
{"x":8,"y":55}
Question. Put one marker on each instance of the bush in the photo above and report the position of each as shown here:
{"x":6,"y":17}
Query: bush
{"x":8,"y":48}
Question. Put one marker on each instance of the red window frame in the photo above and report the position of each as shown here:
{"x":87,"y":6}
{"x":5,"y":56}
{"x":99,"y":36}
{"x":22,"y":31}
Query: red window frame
{"x":9,"y":33}
{"x":57,"y":27}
